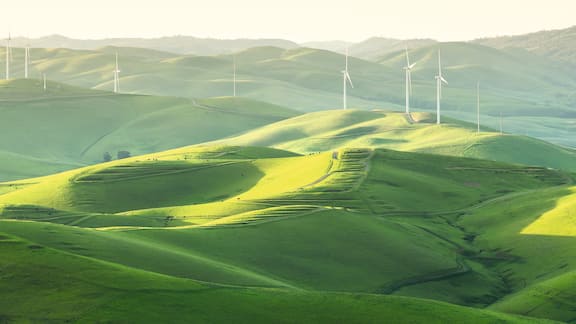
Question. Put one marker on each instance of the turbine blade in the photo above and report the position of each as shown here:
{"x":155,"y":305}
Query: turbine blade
{"x":409,"y":83}
{"x":412,"y":66}
{"x":349,"y":79}
{"x":443,"y":80}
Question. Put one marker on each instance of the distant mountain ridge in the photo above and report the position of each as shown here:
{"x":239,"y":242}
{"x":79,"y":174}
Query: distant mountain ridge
{"x":555,"y":44}
{"x":174,"y":44}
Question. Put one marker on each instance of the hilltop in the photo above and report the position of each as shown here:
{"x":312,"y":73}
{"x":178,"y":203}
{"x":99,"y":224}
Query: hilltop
{"x":534,"y":91}
{"x":174,"y":44}
{"x":332,"y":130}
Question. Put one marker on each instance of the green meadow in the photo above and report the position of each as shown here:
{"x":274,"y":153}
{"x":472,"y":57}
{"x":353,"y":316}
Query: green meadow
{"x":173,"y":201}
{"x":395,"y":228}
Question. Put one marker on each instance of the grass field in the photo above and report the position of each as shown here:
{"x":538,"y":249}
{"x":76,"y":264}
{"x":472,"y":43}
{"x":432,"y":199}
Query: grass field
{"x":331,"y":130}
{"x":522,"y":86}
{"x":47,"y":285}
{"x":279,"y":206}
{"x":68,"y":127}
{"x":400,"y":224}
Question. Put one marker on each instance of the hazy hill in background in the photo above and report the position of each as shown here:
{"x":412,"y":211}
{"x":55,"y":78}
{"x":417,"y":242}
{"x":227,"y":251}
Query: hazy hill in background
{"x":533,"y":93}
{"x":175,"y":44}
{"x":557,"y":44}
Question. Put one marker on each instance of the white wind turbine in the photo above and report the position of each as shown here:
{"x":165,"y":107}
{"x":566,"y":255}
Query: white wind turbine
{"x":408,"y":69}
{"x":116,"y":76}
{"x":234,"y":74}
{"x":8,"y":56}
{"x":346,"y":78}
{"x":439,"y":81}
{"x":26,"y":60}
{"x":478,"y":107}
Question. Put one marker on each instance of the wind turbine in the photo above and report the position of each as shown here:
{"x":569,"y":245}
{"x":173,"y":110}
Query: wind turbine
{"x":346,"y":78}
{"x":8,"y":56}
{"x":234,"y":74}
{"x":478,"y":106}
{"x":26,"y":60}
{"x":116,"y":76}
{"x":44,"y":78}
{"x":439,"y":81}
{"x":408,"y":69}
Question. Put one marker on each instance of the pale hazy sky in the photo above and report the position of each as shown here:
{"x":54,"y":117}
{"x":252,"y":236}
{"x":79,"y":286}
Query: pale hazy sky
{"x":298,"y":20}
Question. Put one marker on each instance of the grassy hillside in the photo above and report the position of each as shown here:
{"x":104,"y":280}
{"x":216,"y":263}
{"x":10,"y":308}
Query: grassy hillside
{"x":537,"y":231}
{"x":47,"y":285}
{"x":330,"y":130}
{"x":253,"y":217}
{"x":522,"y":86}
{"x":67,"y":126}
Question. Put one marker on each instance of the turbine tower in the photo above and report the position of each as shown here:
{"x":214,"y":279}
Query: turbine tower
{"x":478,"y":107}
{"x":408,"y":69}
{"x":234,"y":75}
{"x":439,"y":81}
{"x":44,"y":79}
{"x":26,"y":60}
{"x":116,"y":76}
{"x":346,"y":78}
{"x":8,"y":56}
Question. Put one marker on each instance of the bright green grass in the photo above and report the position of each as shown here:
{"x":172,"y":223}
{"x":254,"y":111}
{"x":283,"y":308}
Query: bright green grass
{"x":367,"y":221}
{"x":47,"y":285}
{"x":331,"y":130}
{"x":42,"y":133}
{"x":529,"y":239}
{"x":256,"y":222}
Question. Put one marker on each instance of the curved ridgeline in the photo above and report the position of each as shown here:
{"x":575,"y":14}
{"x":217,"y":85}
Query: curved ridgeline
{"x":199,"y":219}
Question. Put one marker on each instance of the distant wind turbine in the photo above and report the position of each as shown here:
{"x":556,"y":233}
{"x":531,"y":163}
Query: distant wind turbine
{"x":8,"y":56}
{"x":44,"y":78}
{"x":26,"y":60}
{"x":346,"y":78}
{"x":116,"y":76}
{"x":234,"y":74}
{"x":408,"y":69}
{"x":439,"y":81}
{"x":501,"y":124}
{"x":478,"y":106}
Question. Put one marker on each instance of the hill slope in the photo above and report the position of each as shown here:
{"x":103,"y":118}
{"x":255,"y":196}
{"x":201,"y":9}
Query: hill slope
{"x":330,"y":130}
{"x":252,"y":217}
{"x":89,"y":290}
{"x":67,"y":126}
{"x":522,"y":86}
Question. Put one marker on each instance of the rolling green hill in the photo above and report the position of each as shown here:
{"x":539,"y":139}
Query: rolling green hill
{"x":66,"y":126}
{"x":47,"y":285}
{"x":524,"y":87}
{"x":390,"y":223}
{"x":331,"y":130}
